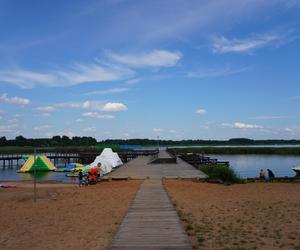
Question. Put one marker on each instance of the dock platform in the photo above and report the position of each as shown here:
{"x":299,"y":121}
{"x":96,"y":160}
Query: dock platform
{"x":140,"y":168}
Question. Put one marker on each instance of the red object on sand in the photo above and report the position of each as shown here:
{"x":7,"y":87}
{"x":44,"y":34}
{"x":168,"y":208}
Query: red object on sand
{"x":93,"y":175}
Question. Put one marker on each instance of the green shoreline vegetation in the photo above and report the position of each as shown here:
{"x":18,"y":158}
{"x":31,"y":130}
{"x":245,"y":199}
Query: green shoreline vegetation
{"x":221,"y":172}
{"x":75,"y":144}
{"x":196,"y":150}
{"x":241,"y":150}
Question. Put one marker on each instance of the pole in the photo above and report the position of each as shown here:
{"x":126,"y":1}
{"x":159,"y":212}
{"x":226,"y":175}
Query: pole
{"x":34,"y":169}
{"x":158,"y":143}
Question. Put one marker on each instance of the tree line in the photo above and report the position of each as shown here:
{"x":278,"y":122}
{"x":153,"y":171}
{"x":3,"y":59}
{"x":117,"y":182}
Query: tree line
{"x":199,"y":142}
{"x":90,"y":141}
{"x":55,"y":141}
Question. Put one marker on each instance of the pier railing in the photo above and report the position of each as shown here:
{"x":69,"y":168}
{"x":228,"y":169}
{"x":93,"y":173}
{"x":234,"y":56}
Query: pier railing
{"x":197,"y":159}
{"x":9,"y":160}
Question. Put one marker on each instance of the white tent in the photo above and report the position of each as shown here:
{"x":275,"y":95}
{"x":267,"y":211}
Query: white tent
{"x":108,"y":160}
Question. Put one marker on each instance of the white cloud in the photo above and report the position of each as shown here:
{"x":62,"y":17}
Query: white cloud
{"x":98,"y":116}
{"x":42,"y":128}
{"x":201,"y":112}
{"x":133,"y":81}
{"x":99,"y":106}
{"x":114,"y":107}
{"x":226,"y":125}
{"x":293,"y":130}
{"x":25,"y":78}
{"x":290,"y":130}
{"x":74,"y":75}
{"x":153,"y":21}
{"x":108,"y":91}
{"x":14,"y":100}
{"x":12,"y":120}
{"x":204,"y":127}
{"x":94,"y":73}
{"x":206,"y":73}
{"x":157,"y":130}
{"x":155,"y":58}
{"x":89,"y":129}
{"x":68,"y":133}
{"x":46,"y":109}
{"x":240,"y":125}
{"x":78,"y":120}
{"x":224,"y":45}
{"x":9,"y":128}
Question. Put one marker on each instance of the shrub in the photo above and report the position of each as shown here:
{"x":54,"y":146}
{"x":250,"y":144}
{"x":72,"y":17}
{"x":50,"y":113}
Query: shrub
{"x":222,"y":172}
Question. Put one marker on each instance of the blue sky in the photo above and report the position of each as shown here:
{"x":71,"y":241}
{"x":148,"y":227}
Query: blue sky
{"x":137,"y":69}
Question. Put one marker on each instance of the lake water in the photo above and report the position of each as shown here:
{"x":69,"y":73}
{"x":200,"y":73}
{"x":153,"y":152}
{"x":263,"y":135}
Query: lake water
{"x":244,"y":165}
{"x":250,"y":165}
{"x":10,"y":174}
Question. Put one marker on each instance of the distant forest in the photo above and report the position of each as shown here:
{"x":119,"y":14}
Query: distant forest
{"x":230,"y":142}
{"x":90,"y":141}
{"x":55,"y":141}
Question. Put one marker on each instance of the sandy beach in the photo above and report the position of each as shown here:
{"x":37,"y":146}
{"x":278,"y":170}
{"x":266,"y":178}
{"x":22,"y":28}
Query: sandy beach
{"x":65,"y":216}
{"x":246,"y":216}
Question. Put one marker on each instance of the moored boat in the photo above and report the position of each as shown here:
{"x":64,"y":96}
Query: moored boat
{"x":297,"y":170}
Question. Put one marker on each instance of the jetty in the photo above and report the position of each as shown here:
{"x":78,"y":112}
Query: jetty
{"x":10,"y":160}
{"x":162,"y":165}
{"x":152,"y":221}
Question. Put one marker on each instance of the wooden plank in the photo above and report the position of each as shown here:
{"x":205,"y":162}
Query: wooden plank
{"x":140,"y":169}
{"x":151,"y":222}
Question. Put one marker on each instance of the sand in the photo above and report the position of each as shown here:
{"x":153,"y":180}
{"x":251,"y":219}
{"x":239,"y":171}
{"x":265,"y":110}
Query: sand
{"x":65,"y":216}
{"x":246,"y":216}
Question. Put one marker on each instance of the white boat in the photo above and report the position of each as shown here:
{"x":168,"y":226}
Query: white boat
{"x":297,"y":170}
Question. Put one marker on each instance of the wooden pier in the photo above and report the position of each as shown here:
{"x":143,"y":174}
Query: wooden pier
{"x":10,"y":160}
{"x":151,"y":222}
{"x":141,"y":168}
{"x":199,"y":159}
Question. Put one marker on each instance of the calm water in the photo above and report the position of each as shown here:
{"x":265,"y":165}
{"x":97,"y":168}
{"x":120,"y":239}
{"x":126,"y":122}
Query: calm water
{"x":250,"y":165}
{"x":10,"y":174}
{"x":244,"y":165}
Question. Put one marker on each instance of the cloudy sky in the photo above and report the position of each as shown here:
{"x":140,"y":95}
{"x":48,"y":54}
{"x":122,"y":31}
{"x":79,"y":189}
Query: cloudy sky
{"x":180,"y":69}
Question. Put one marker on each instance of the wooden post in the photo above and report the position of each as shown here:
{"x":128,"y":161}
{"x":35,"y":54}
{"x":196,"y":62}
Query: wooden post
{"x":34,"y":183}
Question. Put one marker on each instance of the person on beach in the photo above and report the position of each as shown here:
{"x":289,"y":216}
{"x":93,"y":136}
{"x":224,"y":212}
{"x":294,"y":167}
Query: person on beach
{"x":80,"y":177}
{"x":262,"y":175}
{"x":270,"y":174}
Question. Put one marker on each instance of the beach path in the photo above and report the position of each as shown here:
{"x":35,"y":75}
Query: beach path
{"x":151,"y":222}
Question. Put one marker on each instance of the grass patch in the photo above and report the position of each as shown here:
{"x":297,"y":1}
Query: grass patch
{"x":221,"y":172}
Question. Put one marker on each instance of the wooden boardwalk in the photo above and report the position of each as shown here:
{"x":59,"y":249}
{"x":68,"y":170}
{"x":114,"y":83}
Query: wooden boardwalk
{"x":140,"y":169}
{"x":151,"y":222}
